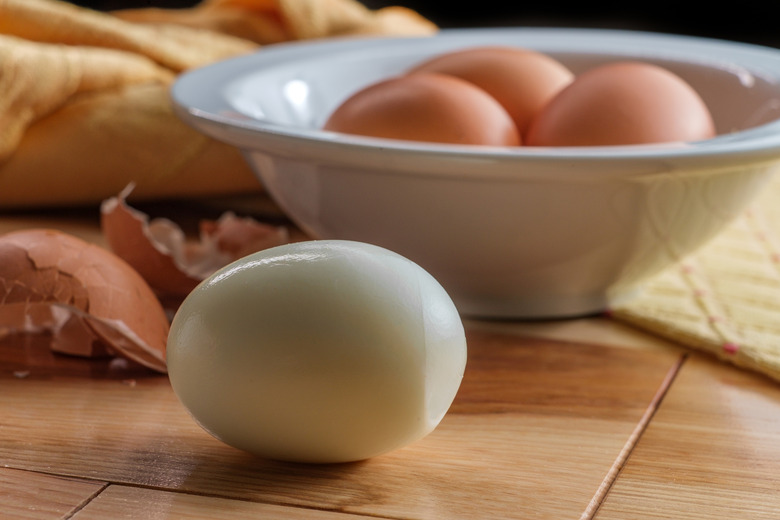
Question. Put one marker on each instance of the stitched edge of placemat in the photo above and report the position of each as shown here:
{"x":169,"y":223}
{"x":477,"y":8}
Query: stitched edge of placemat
{"x":725,"y":298}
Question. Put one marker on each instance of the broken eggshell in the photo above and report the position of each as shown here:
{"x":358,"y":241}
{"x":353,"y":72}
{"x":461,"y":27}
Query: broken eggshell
{"x":91,"y":301}
{"x":170,"y":263}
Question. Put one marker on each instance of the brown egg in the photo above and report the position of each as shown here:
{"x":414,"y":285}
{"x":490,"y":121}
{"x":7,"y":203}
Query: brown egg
{"x":426,"y":107}
{"x":522,"y":80}
{"x":621,"y":104}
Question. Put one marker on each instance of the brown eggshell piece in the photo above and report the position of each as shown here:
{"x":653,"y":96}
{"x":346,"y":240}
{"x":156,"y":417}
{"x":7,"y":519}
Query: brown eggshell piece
{"x":237,"y":237}
{"x":169,"y":262}
{"x":90,"y":300}
{"x":130,"y":236}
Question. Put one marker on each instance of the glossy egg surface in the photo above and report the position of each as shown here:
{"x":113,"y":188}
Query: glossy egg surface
{"x":321,"y":351}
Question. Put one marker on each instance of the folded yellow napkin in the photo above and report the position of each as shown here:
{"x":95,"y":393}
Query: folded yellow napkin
{"x":725,"y":298}
{"x":84,"y":99}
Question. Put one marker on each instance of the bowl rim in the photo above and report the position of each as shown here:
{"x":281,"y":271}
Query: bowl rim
{"x":198,"y":97}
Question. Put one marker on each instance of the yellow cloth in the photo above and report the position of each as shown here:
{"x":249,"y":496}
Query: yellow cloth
{"x":84,"y":100}
{"x":725,"y":298}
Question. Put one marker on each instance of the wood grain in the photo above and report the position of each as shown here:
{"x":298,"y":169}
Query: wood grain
{"x":119,"y":502}
{"x":36,"y":496}
{"x":533,"y":433}
{"x":711,"y":451}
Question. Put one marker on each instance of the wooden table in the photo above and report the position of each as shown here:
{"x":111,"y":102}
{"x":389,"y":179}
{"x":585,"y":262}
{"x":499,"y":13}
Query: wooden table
{"x":573,"y":419}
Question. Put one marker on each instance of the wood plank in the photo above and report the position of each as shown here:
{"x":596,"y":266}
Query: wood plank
{"x":119,"y":502}
{"x":711,"y":451}
{"x":598,"y":329}
{"x":22,"y":356}
{"x":35,"y":496}
{"x":81,"y":222}
{"x":533,"y":432}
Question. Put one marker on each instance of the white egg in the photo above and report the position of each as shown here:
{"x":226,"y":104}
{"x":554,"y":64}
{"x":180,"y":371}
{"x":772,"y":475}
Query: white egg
{"x":321,"y":351}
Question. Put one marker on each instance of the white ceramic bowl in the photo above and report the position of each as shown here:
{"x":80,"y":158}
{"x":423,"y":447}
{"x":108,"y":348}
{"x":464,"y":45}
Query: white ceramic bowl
{"x":509,"y":232}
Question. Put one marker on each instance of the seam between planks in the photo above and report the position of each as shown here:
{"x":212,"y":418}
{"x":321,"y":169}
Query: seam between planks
{"x":631,"y":442}
{"x":106,"y":485}
{"x":86,"y":501}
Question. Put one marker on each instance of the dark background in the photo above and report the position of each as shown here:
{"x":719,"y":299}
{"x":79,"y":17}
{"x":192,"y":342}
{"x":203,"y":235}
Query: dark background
{"x":746,"y":21}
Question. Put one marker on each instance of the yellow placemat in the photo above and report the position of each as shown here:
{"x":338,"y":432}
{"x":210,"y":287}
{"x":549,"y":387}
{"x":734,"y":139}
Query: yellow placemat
{"x":725,"y":298}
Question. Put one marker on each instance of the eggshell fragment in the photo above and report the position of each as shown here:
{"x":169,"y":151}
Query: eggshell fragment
{"x":521,"y":80}
{"x":622,"y":103}
{"x":426,"y":107}
{"x":171,"y":263}
{"x":322,"y":351}
{"x":87,"y":298}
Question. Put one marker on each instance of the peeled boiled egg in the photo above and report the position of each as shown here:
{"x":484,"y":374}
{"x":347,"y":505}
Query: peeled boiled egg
{"x":521,"y":80}
{"x":320,"y":351}
{"x":425,"y":107}
{"x":622,"y":103}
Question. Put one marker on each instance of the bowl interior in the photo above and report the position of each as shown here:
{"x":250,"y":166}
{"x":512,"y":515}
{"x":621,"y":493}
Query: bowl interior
{"x":742,"y":92}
